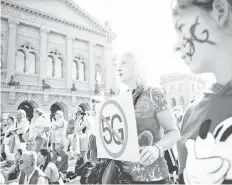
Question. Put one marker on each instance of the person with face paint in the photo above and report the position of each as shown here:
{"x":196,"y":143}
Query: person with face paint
{"x":153,"y":115}
{"x":204,"y":29}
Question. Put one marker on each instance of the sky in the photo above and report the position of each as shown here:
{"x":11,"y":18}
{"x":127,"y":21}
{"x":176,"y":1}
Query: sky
{"x":144,"y":27}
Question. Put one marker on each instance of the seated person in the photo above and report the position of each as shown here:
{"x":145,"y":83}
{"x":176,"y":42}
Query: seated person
{"x":14,"y":171}
{"x":30,"y":173}
{"x":60,"y":157}
{"x":48,"y":167}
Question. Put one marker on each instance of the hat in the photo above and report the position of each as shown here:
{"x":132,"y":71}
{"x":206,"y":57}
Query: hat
{"x":79,"y":109}
{"x":60,"y":113}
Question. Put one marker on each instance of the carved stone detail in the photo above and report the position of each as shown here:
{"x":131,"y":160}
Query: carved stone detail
{"x":22,"y":39}
{"x":44,"y":30}
{"x":70,"y":37}
{"x":36,"y":101}
{"x":12,"y":97}
{"x":37,"y":18}
{"x":13,"y":23}
{"x":92,"y":44}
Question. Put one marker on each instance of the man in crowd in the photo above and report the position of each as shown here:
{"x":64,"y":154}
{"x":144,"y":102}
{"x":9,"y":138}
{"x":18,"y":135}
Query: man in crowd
{"x":30,"y":174}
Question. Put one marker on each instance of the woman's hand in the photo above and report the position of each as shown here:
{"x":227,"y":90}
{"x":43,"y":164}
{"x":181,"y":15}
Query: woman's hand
{"x":149,"y":155}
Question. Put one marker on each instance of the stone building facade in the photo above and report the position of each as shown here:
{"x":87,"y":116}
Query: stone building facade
{"x":57,"y":42}
{"x":181,"y":89}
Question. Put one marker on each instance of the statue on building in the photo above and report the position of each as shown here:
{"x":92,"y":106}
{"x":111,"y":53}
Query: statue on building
{"x":112,"y":92}
{"x":12,"y":82}
{"x":45,"y":85}
{"x":73,"y":87}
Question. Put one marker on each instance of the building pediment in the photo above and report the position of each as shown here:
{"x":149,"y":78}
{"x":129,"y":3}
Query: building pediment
{"x":66,"y":11}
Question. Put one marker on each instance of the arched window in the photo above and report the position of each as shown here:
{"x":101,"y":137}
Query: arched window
{"x":173,"y":102}
{"x":49,"y":66}
{"x":30,"y":63}
{"x":80,"y":68}
{"x":81,"y":71}
{"x":26,"y":60}
{"x":20,"y":61}
{"x":55,"y":65}
{"x":182,"y":102}
{"x":58,"y":68}
{"x":74,"y":70}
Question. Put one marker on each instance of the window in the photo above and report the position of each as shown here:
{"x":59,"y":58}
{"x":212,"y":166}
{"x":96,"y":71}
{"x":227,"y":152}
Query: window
{"x":20,"y":61}
{"x":81,"y":71}
{"x":180,"y":87}
{"x":26,"y":60}
{"x":49,"y":66}
{"x":58,"y":68}
{"x":30,"y":63}
{"x":173,"y":100}
{"x":182,"y":102}
{"x":55,"y":65}
{"x":78,"y":71}
{"x":172,"y":88}
{"x":2,"y":54}
{"x":74,"y":70}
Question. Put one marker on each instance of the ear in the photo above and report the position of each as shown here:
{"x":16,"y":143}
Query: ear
{"x":222,"y":12}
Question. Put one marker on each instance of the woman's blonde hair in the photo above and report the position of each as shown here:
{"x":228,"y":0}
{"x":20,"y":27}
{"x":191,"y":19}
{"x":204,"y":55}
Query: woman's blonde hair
{"x":22,"y":113}
{"x":137,"y":67}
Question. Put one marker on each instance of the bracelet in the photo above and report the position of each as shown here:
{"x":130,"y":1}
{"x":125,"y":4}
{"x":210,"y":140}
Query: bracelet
{"x":161,"y":151}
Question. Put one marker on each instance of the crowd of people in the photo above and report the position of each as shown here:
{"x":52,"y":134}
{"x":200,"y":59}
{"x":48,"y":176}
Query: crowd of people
{"x":203,"y":135}
{"x":42,"y":145}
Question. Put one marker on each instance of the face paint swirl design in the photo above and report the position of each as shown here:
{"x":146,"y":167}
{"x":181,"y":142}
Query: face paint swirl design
{"x":194,"y":38}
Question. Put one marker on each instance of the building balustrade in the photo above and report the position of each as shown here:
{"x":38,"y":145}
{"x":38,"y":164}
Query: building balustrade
{"x":5,"y":86}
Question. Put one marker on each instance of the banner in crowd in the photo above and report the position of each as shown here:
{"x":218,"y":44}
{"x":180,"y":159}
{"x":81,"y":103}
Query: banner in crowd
{"x":116,"y":130}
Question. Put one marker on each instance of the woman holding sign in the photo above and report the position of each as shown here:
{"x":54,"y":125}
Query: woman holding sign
{"x":153,"y":115}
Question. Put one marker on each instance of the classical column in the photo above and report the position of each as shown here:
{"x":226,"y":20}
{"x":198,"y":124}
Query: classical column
{"x":69,"y":61}
{"x":43,"y":53}
{"x":91,"y":74}
{"x":108,"y":67}
{"x":13,"y":23}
